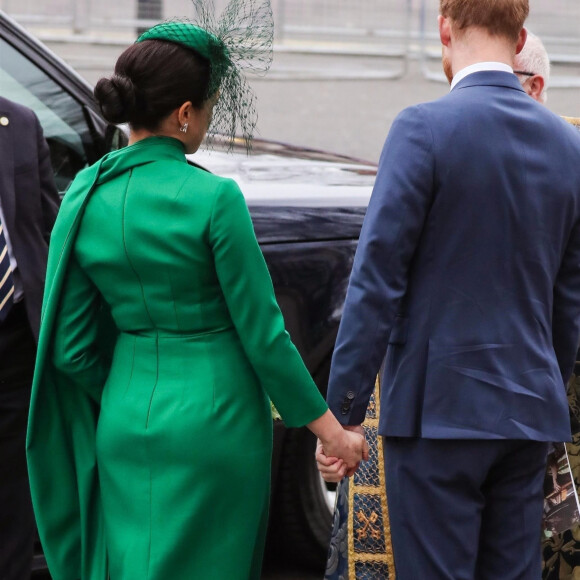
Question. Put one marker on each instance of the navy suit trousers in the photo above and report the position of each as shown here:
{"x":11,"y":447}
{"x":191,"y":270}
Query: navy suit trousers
{"x":465,"y":509}
{"x":17,"y":353}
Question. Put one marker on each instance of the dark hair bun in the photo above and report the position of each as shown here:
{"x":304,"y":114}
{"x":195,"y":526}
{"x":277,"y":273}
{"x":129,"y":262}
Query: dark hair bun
{"x":116,"y":98}
{"x":153,"y":78}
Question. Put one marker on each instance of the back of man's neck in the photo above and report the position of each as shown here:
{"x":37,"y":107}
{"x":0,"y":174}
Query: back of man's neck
{"x":477,"y":46}
{"x":461,"y":63}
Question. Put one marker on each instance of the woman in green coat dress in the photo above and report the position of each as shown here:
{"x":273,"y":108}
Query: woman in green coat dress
{"x":161,"y":346}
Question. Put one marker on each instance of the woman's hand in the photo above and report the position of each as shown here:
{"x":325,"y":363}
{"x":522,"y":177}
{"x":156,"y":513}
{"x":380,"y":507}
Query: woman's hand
{"x":331,"y":469}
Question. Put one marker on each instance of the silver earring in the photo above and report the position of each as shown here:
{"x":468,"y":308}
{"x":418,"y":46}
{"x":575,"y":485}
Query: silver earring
{"x":183,"y":127}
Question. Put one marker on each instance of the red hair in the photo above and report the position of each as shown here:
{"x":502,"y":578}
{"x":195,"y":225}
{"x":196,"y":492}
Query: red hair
{"x":498,"y":17}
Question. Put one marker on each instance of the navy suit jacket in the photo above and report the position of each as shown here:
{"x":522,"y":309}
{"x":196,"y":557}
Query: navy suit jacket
{"x":467,"y":273}
{"x":29,"y":199}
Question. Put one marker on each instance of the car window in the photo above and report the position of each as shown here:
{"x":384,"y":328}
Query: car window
{"x":62,"y":117}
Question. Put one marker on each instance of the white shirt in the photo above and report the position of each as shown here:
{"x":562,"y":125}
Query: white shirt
{"x":18,"y":290}
{"x":478,"y":67}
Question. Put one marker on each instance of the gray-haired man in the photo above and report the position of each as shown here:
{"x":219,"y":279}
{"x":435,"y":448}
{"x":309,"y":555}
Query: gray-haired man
{"x":532,"y":67}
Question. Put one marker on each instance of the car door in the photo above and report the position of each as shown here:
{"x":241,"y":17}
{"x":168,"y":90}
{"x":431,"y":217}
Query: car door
{"x":32,"y":76}
{"x":74,"y":130}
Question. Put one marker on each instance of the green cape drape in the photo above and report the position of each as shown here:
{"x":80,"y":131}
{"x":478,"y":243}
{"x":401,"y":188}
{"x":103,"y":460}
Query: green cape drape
{"x":63,"y":418}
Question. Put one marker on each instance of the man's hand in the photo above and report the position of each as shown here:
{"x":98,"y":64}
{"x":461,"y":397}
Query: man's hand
{"x":335,"y":459}
{"x":355,"y":429}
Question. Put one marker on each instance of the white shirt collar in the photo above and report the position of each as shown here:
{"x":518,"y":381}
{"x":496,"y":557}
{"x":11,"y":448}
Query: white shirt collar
{"x":478,"y":67}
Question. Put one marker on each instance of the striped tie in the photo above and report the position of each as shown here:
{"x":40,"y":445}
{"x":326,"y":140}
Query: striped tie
{"x":6,"y":282}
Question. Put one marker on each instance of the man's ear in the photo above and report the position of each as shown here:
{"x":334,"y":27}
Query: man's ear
{"x":523,"y":36}
{"x":444,"y":30}
{"x":536,"y":86}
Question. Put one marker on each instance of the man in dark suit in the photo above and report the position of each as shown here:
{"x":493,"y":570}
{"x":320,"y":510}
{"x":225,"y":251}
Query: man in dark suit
{"x":28,"y":207}
{"x":467,"y":275}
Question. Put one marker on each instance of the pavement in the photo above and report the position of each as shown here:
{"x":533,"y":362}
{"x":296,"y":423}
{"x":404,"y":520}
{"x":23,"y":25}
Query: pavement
{"x":353,"y":115}
{"x":330,"y":99}
{"x":332,"y":84}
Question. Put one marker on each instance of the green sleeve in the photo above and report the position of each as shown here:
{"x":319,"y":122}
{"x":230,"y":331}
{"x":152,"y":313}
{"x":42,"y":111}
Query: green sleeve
{"x":75,"y":352}
{"x":249,"y":294}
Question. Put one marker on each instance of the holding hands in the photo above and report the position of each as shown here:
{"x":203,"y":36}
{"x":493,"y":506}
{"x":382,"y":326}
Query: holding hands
{"x":333,"y":457}
{"x":340,"y":449}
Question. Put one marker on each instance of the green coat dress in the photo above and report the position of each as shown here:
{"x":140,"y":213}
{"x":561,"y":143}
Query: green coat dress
{"x":161,"y":344}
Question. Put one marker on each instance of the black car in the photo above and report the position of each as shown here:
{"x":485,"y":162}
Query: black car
{"x":307,"y":207}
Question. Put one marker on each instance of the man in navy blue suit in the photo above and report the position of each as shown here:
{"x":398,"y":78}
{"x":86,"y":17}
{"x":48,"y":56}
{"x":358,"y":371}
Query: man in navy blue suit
{"x":467,"y":276}
{"x":28,"y":206}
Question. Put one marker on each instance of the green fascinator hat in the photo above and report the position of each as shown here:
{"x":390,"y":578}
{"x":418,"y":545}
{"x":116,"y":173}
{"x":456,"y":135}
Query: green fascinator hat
{"x":197,"y":39}
{"x":240,"y":40}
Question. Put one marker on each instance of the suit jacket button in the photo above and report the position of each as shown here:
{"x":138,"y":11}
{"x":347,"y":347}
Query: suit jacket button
{"x":345,"y":409}
{"x":350,"y":395}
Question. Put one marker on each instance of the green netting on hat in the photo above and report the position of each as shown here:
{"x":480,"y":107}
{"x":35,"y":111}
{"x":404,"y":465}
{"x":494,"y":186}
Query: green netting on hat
{"x":198,"y":39}
{"x":239,"y":40}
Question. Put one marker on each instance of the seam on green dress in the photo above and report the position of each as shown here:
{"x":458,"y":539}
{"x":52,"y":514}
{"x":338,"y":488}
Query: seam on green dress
{"x":132,"y":367}
{"x":207,"y":347}
{"x":157,"y":368}
{"x":150,"y":507}
{"x":156,"y":381}
{"x":125,"y":247}
{"x":174,"y":302}
{"x":185,"y":181}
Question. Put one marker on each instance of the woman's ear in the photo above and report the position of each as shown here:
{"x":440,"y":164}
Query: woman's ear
{"x":184,"y":113}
